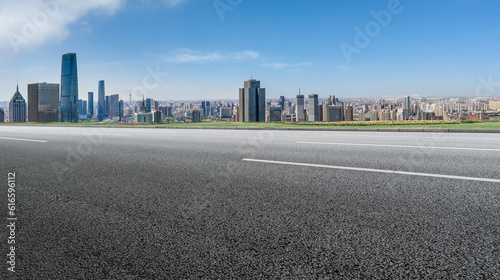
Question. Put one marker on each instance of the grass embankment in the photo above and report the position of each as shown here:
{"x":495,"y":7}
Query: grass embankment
{"x":493,"y":124}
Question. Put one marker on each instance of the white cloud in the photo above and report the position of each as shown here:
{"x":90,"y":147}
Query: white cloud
{"x":31,"y":23}
{"x":186,"y":55}
{"x":280,"y":65}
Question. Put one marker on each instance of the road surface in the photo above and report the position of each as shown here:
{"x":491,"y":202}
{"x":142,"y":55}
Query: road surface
{"x":129,"y":203}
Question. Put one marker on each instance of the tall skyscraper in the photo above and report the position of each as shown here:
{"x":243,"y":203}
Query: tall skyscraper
{"x":313,"y":108}
{"x":252,"y":102}
{"x":275,"y":114}
{"x":205,"y":108}
{"x":90,"y":110}
{"x":149,"y":103}
{"x":282,"y":103}
{"x":17,"y":108}
{"x":2,"y":115}
{"x":196,"y":117}
{"x":114,"y":103}
{"x":69,"y":88}
{"x":120,"y":109}
{"x":101,"y":101}
{"x":84,"y":108}
{"x":349,"y":114}
{"x":106,"y":106}
{"x":43,"y":102}
{"x":300,"y":115}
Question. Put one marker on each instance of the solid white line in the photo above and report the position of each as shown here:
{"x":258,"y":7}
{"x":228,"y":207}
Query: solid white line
{"x":399,"y":146}
{"x":445,"y":137}
{"x":376,"y":170}
{"x":27,"y":140}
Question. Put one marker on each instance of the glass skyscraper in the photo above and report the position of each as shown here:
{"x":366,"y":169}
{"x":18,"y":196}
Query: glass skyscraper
{"x":43,"y":102}
{"x":101,"y":101}
{"x":69,"y":88}
{"x":90,"y":110}
{"x":252,"y":106}
{"x":17,"y":108}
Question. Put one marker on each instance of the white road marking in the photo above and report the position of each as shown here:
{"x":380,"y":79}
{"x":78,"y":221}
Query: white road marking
{"x":443,"y":137}
{"x":27,"y":140}
{"x":399,"y":146}
{"x":376,"y":170}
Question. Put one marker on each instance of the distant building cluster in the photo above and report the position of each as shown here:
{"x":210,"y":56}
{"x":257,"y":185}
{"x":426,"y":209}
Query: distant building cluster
{"x":53,"y":102}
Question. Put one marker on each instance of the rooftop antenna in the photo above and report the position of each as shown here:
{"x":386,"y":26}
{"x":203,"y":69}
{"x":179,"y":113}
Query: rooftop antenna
{"x":17,"y":84}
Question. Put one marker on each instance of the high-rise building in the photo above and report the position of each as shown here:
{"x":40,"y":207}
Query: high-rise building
{"x":2,"y":115}
{"x":17,"y":108}
{"x":275,"y":114}
{"x":84,"y":108}
{"x":43,"y":102}
{"x":196,"y":118}
{"x":114,"y":103}
{"x":282,"y":103}
{"x":335,"y":113}
{"x":349,"y":114}
{"x":149,"y":103}
{"x":101,"y":101}
{"x":106,"y":106}
{"x":120,"y":109}
{"x":301,"y":116}
{"x":205,"y":108}
{"x":252,"y":102}
{"x":90,"y":110}
{"x":69,"y":89}
{"x":80,"y":106}
{"x":156,"y":105}
{"x":313,"y":108}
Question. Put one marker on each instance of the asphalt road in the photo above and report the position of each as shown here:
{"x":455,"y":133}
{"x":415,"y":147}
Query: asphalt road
{"x":101,"y":203}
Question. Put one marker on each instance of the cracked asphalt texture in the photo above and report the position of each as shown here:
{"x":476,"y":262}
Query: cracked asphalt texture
{"x":105,"y":203}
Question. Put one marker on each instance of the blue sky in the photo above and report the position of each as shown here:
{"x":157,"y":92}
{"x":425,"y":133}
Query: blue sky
{"x":208,"y":48}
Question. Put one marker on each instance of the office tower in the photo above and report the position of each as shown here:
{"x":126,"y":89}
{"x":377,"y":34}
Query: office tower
{"x":143,"y":106}
{"x":106,"y":107}
{"x":120,"y":109}
{"x":334,"y":113}
{"x":17,"y":108}
{"x":301,"y":117}
{"x":406,"y":105}
{"x":80,"y":106}
{"x":156,"y":105}
{"x":114,"y":101}
{"x":43,"y":102}
{"x":196,"y":116}
{"x":205,"y":108}
{"x":252,"y":102}
{"x":149,"y":103}
{"x":101,"y":101}
{"x":90,"y":109}
{"x":275,"y":114}
{"x":349,"y":114}
{"x":156,"y":116}
{"x":84,"y":108}
{"x":166,"y":111}
{"x":313,"y":108}
{"x":69,"y":89}
{"x":2,"y":115}
{"x":282,"y":103}
{"x":333,"y":100}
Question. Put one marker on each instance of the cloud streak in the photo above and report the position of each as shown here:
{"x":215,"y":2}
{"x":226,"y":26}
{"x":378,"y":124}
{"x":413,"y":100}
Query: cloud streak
{"x":180,"y":56}
{"x":280,"y":65}
{"x":28,"y":24}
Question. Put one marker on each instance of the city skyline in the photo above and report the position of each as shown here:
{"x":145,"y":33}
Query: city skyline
{"x":204,"y":57}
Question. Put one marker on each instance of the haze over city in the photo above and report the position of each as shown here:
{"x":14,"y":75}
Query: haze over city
{"x":349,"y":48}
